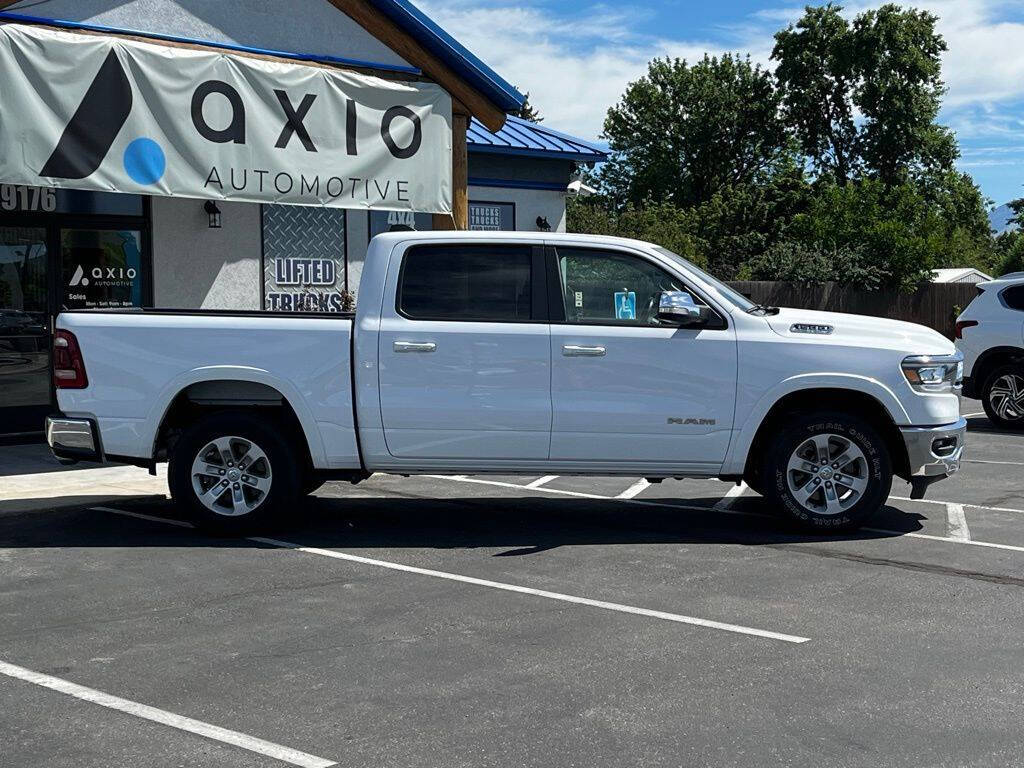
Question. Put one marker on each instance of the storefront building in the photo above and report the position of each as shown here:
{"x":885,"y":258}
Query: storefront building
{"x":207,"y":220}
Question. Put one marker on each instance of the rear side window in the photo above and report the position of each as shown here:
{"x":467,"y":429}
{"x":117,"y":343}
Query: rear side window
{"x":467,"y":282}
{"x":1014,"y":297}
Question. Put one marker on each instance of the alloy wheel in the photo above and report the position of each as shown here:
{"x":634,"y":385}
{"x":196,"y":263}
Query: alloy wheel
{"x":1006,"y":397}
{"x":827,"y":474}
{"x":231,"y":476}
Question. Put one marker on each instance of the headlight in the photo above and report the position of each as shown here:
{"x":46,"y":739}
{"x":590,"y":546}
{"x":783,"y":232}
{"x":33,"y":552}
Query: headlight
{"x":935,"y":373}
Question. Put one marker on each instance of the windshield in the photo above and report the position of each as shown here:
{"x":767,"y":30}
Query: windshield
{"x":735,"y":298}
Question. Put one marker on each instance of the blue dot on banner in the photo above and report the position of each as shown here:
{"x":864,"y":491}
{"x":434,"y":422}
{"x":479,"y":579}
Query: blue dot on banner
{"x":144,"y":161}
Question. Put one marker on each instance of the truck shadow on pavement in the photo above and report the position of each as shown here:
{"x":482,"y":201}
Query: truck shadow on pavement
{"x":514,"y":527}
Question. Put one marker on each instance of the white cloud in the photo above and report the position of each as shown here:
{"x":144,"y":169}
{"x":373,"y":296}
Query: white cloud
{"x":577,"y":66}
{"x":574,"y":69}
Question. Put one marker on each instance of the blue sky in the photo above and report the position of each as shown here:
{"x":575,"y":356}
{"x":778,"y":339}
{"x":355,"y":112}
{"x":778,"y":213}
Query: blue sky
{"x":576,"y":57}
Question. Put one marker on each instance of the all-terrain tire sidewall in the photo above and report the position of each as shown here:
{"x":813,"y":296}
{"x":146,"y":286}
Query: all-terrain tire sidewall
{"x":994,"y":417}
{"x":265,"y":433}
{"x":797,"y":430}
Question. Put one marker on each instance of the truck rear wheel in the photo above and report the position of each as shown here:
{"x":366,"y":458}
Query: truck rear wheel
{"x":828,"y":471}
{"x":233,"y":473}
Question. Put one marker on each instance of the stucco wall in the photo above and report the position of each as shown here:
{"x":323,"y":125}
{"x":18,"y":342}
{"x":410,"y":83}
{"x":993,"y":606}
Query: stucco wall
{"x":530,"y":203}
{"x":195,"y":267}
{"x":295,"y":26}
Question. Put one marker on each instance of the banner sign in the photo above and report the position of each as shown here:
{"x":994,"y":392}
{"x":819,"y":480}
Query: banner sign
{"x":116,"y":115}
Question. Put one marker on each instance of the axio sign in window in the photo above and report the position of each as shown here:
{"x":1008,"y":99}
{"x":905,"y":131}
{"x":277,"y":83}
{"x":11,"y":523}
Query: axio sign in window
{"x":111,"y":114}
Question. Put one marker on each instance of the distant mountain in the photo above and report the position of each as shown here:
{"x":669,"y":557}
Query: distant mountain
{"x":999,"y":219}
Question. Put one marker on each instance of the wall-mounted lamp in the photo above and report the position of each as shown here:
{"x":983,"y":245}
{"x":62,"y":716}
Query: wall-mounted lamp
{"x":542,"y":224}
{"x":213,"y":212}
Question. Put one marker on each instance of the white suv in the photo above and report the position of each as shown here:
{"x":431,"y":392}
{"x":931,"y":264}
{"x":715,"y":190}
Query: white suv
{"x":990,"y":333}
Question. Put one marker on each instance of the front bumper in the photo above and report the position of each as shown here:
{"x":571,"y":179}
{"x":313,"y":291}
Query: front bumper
{"x":72,"y":440}
{"x":935,"y":452}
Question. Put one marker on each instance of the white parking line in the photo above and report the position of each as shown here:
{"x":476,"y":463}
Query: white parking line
{"x":957,"y":522}
{"x":986,"y":461}
{"x":948,"y":539}
{"x":964,"y":503}
{"x":619,"y":607}
{"x":541,"y":481}
{"x":745,"y":513}
{"x":250,"y":743}
{"x":635,"y":489}
{"x":730,"y":497}
{"x":679,"y":618}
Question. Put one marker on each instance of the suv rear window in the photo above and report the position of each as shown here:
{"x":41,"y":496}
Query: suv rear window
{"x":467,"y":282}
{"x":1013,"y":297}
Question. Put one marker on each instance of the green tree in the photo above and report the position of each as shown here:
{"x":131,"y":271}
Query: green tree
{"x":529,"y":112}
{"x":899,"y":55}
{"x":683,"y":133}
{"x":816,"y":73}
{"x":886,"y":66}
{"x":663,"y":224}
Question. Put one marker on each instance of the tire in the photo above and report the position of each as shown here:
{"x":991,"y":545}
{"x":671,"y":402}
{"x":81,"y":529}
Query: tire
{"x":800,"y":484}
{"x":1002,"y":397}
{"x":215,"y":453}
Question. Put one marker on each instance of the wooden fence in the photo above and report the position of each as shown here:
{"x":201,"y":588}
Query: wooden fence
{"x":935,"y":305}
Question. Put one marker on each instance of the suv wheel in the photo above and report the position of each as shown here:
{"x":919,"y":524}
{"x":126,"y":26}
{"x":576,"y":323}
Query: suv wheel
{"x":1003,"y":397}
{"x":232,"y":473}
{"x":828,"y":471}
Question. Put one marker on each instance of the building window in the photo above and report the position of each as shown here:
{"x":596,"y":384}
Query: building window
{"x":304,"y":260}
{"x":492,"y":217}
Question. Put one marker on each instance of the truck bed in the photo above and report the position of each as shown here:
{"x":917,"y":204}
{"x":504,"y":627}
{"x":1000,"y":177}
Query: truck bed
{"x":139,"y":361}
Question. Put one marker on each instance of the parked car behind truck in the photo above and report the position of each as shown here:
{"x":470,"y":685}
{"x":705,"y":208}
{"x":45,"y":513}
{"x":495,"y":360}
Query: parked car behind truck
{"x":514,"y":353}
{"x":990,"y":334}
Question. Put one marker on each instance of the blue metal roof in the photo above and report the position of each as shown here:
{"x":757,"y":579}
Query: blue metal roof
{"x":525,"y":139}
{"x":451,"y":52}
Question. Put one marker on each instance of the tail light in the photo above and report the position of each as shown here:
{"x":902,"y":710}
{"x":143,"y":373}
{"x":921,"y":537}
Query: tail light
{"x":961,"y":324}
{"x":68,"y":365}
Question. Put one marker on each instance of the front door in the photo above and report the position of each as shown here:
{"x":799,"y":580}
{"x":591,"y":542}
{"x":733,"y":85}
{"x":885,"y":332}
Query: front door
{"x":25,"y":390}
{"x":465,"y":359}
{"x":626,"y":389}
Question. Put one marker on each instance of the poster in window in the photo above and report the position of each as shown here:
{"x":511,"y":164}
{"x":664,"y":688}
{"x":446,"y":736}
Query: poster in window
{"x":492,"y":217}
{"x":102,"y":268}
{"x":303,"y":259}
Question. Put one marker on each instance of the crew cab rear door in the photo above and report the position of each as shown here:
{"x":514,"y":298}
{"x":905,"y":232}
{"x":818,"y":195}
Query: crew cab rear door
{"x":465,"y":355}
{"x":627,"y":389}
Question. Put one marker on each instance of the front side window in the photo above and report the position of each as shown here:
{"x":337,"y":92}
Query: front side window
{"x":467,"y":282}
{"x":602,"y":287}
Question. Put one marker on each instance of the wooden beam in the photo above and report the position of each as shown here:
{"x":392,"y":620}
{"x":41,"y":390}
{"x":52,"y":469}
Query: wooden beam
{"x":459,"y":217}
{"x":385,"y":30}
{"x":460,"y":172}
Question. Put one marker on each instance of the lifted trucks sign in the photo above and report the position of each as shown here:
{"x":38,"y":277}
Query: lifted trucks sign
{"x":111,"y":114}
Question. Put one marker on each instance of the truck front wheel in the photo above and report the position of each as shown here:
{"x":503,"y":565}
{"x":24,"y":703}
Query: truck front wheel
{"x":828,"y":471}
{"x":232,"y":473}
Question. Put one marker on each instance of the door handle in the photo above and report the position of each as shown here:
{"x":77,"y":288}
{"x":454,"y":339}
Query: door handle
{"x":415,"y":346}
{"x":575,"y":350}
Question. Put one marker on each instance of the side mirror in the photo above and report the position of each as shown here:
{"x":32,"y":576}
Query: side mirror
{"x":679,"y":308}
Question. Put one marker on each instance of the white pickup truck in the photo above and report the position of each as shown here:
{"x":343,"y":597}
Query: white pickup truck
{"x":513,"y":353}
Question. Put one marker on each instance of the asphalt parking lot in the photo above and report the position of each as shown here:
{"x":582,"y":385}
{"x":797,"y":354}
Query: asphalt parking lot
{"x":497,"y":621}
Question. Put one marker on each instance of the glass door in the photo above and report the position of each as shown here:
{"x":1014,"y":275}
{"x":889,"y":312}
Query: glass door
{"x":25,"y":390}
